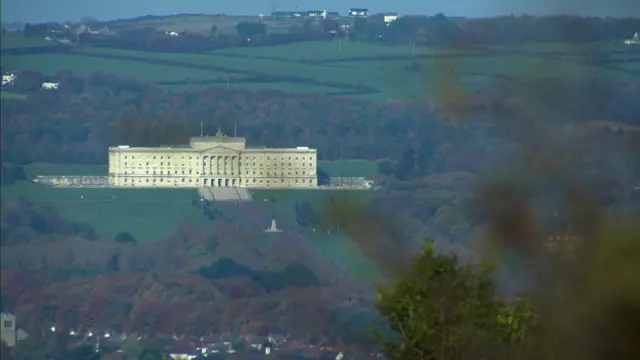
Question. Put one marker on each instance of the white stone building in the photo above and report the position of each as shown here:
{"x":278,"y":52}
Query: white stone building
{"x":216,"y":161}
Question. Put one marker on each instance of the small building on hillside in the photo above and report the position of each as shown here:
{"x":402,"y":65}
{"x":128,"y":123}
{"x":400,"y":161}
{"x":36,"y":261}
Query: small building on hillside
{"x":8,"y":79}
{"x":50,"y":85}
{"x":315,"y":13}
{"x":359,"y":12}
{"x":390,"y":17}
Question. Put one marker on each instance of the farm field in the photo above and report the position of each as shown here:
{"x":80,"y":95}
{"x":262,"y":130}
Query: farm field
{"x":343,"y":50}
{"x":52,"y":63}
{"x":12,"y":42}
{"x":329,"y":68}
{"x":286,"y":87}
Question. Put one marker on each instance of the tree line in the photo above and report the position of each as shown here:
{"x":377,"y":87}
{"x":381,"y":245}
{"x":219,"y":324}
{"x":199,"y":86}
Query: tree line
{"x":432,"y":30}
{"x":24,"y":223}
{"x":77,"y":123}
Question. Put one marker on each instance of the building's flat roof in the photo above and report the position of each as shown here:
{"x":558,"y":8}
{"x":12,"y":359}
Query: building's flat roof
{"x":154,"y":149}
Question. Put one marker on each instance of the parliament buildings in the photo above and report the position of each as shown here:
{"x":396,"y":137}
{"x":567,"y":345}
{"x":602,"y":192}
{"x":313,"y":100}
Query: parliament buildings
{"x":215,"y":161}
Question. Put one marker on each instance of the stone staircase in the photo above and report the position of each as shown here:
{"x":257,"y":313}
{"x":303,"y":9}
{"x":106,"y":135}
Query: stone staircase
{"x":225,"y":194}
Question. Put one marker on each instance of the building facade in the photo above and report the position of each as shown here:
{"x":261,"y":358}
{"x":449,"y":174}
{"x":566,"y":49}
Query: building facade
{"x":215,"y":161}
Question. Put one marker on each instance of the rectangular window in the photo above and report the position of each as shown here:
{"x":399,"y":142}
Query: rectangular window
{"x":8,"y":323}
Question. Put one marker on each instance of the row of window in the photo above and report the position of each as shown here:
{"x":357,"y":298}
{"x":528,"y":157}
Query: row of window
{"x":290,"y":173}
{"x":297,"y":158}
{"x":190,"y":180}
{"x":126,"y":163}
{"x":190,"y":170}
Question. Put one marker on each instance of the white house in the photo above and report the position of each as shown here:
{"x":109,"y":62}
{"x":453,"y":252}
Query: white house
{"x":50,"y":85}
{"x":635,"y":40}
{"x":8,"y":79}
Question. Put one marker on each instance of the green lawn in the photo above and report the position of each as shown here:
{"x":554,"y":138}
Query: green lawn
{"x":148,"y":214}
{"x":151,"y":214}
{"x":336,"y":247}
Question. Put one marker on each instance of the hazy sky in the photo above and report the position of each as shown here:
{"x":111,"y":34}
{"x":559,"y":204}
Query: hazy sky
{"x":60,"y":10}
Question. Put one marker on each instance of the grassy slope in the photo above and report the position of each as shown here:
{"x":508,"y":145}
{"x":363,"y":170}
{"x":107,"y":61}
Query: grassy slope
{"x":336,"y":247}
{"x":149,"y":214}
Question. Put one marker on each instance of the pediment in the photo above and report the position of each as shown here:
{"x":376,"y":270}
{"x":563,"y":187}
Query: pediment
{"x":220,"y":150}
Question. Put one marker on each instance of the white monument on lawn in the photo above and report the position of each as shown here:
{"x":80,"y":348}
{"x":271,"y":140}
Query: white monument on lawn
{"x":273,"y":227}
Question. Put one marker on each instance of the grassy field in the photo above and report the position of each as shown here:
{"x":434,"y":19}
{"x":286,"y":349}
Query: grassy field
{"x":12,"y":42}
{"x":349,"y":64}
{"x":286,"y":87}
{"x":337,"y":247}
{"x":148,"y":214}
{"x":326,"y":50}
{"x":50,"y":64}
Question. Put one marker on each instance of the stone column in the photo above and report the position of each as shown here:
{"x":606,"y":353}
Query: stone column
{"x":203,"y":164}
{"x":236,"y":161}
{"x":212,"y":165}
